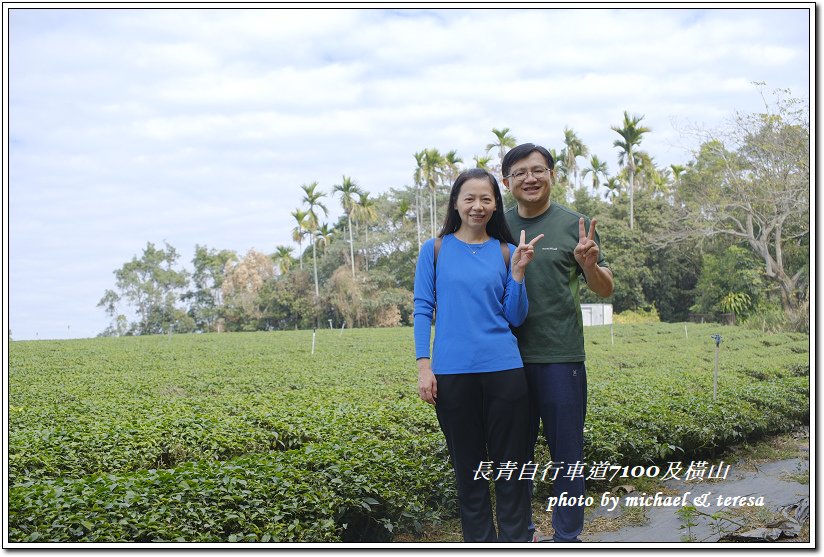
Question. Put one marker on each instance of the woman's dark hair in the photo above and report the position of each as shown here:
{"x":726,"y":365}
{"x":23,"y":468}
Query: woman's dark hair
{"x":496,"y":227}
{"x":522,"y":151}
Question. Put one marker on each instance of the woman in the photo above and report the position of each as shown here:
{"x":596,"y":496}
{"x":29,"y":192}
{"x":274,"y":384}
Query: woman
{"x":475,"y":377}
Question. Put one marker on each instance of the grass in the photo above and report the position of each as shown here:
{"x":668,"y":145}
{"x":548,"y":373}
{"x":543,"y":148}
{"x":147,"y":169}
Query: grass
{"x":791,"y":444}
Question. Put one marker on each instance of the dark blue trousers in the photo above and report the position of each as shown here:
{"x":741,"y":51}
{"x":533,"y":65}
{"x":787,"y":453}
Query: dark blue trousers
{"x":558,"y":398}
{"x":484,"y":417}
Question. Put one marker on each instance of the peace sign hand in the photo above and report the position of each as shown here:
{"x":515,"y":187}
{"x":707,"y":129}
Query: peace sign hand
{"x":587,"y":251}
{"x":524,"y":253}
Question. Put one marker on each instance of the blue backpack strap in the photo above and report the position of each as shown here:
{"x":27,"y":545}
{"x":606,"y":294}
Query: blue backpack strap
{"x":438,"y":242}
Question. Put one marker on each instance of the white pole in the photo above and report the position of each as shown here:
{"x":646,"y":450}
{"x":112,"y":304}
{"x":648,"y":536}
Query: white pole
{"x":341,"y":327}
{"x":330,"y":325}
{"x":685,"y":331}
{"x":313,"y":341}
{"x":717,"y":339}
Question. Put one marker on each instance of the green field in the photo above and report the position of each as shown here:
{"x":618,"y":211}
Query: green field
{"x":250,"y":437}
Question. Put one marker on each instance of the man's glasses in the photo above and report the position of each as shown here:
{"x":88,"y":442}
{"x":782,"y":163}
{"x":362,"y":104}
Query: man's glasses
{"x":520,"y":175}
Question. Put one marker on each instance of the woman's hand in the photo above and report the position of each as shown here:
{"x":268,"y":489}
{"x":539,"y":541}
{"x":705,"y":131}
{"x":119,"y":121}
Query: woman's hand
{"x":524,"y":253}
{"x":427,"y":384}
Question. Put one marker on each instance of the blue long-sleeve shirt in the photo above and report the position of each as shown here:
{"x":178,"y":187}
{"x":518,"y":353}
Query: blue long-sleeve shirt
{"x":477,"y":301}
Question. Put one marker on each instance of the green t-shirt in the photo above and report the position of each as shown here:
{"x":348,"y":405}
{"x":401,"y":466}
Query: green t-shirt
{"x":554,"y":330}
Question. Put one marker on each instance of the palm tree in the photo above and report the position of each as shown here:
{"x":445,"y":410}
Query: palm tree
{"x":574,"y":148}
{"x":560,"y":165}
{"x":613,"y":186}
{"x":401,"y":211}
{"x":348,"y":190}
{"x":450,"y":165}
{"x":597,"y":168}
{"x":645,"y":169}
{"x":366,"y":213}
{"x":504,"y":142}
{"x":659,"y":182}
{"x":650,"y":177}
{"x":312,"y":199}
{"x":324,"y":235}
{"x":283,"y":258}
{"x":482,"y":162}
{"x":299,"y":231}
{"x":449,"y":168}
{"x":631,"y":134}
{"x":431,"y":174}
{"x":677,"y":171}
{"x":418,"y":177}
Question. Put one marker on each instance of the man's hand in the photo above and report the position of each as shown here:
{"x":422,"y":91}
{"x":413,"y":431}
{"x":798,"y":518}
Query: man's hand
{"x":587,"y":251}
{"x":599,"y":279}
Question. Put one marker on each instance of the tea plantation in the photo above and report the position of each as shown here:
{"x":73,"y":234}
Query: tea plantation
{"x":250,"y":437}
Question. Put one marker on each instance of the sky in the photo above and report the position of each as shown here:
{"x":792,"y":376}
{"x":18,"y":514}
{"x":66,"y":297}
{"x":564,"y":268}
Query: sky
{"x":197,"y":126}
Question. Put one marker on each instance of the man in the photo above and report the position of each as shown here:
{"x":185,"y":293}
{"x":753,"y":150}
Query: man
{"x":551,"y":339}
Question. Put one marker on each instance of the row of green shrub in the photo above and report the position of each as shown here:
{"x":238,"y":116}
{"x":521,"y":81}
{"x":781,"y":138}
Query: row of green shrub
{"x":252,"y":437}
{"x":76,"y":440}
{"x":319,"y":493}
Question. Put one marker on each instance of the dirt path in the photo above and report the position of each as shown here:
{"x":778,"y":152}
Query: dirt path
{"x":763,"y":493}
{"x":764,"y":497}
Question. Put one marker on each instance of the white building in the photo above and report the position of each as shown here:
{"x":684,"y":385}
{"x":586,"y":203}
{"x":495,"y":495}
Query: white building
{"x":596,"y":314}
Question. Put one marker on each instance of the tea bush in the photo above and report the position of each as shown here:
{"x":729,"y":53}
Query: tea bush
{"x":248,"y":437}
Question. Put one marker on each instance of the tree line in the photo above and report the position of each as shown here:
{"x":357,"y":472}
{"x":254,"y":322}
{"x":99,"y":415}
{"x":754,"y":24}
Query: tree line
{"x":728,"y":232}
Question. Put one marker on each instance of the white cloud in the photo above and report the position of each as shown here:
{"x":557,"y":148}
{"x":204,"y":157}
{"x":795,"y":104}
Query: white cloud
{"x":289,"y":86}
{"x":198,"y":126}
